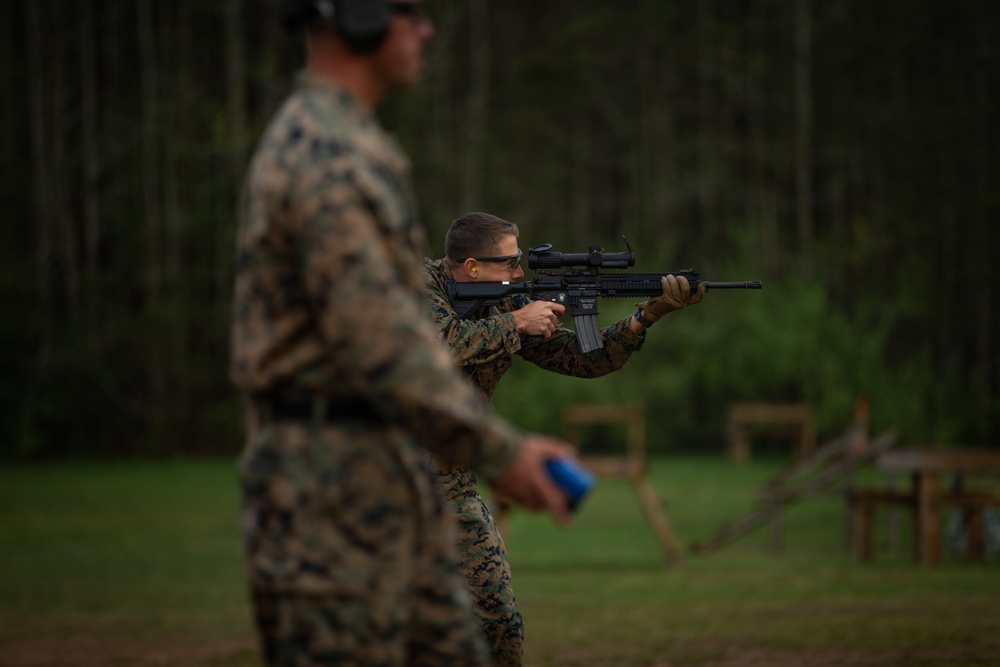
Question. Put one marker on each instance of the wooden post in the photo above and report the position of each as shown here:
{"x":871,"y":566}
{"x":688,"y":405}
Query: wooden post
{"x":632,"y":466}
{"x":929,"y":543}
{"x":975,"y":544}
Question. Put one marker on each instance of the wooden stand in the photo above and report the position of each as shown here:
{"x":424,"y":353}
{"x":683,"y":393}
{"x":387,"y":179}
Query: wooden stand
{"x":632,"y":466}
{"x":746,"y":419}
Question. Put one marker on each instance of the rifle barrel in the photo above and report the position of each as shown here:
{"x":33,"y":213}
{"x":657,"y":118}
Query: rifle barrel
{"x":739,"y":284}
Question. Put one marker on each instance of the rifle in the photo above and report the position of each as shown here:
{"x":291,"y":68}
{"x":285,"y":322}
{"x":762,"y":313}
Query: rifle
{"x":578,"y":287}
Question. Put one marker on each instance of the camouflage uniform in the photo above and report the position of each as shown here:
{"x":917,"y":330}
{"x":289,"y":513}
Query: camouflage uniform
{"x":484,"y":349}
{"x":349,"y":556}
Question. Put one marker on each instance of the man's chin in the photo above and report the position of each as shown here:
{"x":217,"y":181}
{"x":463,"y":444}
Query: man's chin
{"x":418,"y":74}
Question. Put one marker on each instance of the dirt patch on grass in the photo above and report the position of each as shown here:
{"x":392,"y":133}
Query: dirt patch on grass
{"x":91,"y":652}
{"x":727,"y":654}
{"x":974,"y":656}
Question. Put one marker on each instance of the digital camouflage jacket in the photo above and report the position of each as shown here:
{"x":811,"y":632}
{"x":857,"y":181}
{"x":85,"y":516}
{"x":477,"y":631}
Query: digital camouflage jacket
{"x":329,"y":295}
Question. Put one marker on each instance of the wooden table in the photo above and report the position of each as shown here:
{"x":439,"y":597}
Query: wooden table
{"x":926,"y":467}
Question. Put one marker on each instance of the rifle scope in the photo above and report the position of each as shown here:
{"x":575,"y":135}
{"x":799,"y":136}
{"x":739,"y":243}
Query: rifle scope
{"x":543,"y":257}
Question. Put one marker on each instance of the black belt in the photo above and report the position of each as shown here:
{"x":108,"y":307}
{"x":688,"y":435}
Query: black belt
{"x":315,"y":409}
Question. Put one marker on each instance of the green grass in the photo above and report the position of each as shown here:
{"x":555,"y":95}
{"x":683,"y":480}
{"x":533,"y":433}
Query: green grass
{"x":135,"y":564}
{"x":131,"y":554}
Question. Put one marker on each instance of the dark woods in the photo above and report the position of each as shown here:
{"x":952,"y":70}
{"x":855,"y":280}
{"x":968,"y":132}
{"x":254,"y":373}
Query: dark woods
{"x":841,"y":151}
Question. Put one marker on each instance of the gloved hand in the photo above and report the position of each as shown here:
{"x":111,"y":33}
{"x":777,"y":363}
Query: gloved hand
{"x":676,"y":295}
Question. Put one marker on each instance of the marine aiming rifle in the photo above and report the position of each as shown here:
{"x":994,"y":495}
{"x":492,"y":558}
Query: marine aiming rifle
{"x":578,"y":287}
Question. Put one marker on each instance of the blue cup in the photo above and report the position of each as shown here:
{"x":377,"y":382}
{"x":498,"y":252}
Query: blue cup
{"x":575,"y":480}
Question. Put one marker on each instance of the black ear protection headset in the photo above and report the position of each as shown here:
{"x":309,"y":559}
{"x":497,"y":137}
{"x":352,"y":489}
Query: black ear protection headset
{"x":362,"y":24}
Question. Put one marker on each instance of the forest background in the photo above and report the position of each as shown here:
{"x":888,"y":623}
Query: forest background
{"x":843,"y":152}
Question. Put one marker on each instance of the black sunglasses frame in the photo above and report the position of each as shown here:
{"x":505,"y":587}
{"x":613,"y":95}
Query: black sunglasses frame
{"x":513,"y":261}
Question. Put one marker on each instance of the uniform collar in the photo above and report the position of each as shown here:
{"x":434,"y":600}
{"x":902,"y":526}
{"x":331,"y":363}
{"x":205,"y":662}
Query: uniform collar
{"x":324,"y":84}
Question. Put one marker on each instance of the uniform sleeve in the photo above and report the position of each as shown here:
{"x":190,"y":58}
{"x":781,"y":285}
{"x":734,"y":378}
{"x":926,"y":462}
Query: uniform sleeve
{"x":472,"y":342}
{"x":372,"y":314}
{"x":561,"y":352}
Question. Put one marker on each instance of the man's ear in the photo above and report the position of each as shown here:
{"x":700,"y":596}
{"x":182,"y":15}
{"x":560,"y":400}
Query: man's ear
{"x":471,"y":267}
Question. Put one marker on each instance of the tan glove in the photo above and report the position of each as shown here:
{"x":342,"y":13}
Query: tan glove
{"x":676,"y":295}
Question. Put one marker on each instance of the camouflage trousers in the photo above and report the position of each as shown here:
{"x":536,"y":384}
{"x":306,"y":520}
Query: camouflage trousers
{"x":349,"y":554}
{"x":483,"y":562}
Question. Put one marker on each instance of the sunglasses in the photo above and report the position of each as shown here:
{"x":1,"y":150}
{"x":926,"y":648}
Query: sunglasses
{"x":511,"y":262}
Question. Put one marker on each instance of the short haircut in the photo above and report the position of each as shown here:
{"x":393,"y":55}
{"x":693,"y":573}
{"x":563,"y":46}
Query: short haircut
{"x":476,"y":235}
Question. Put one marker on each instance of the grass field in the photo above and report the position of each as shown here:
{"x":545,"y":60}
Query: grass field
{"x":139,"y":564}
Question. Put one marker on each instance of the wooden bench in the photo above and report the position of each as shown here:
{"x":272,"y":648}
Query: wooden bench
{"x":865,"y":502}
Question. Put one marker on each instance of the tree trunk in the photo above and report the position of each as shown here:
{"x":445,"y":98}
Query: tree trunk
{"x":236,"y":99}
{"x":477,"y":105}
{"x":41,"y":173}
{"x":152,"y":206}
{"x":663,"y":179}
{"x":114,"y":132}
{"x":437,"y":198}
{"x":8,"y":57}
{"x":174,"y":25}
{"x":150,"y":150}
{"x":581,"y":177}
{"x":60,"y":174}
{"x":803,"y":135}
{"x":270,"y":78}
{"x":984,"y":239}
{"x":180,"y":109}
{"x":760,"y":194}
{"x":707,"y":168}
{"x":91,"y":163}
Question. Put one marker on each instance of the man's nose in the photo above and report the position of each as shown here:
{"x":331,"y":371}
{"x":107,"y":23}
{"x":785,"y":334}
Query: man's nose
{"x":427,"y":29}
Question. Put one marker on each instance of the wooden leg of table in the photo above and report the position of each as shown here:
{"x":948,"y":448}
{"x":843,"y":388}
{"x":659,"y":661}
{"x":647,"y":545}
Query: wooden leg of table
{"x":657,"y":518}
{"x":855,"y":536}
{"x":862,"y":530}
{"x":974,"y":533}
{"x":892,"y":518}
{"x":739,"y":447}
{"x":928,"y":509}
